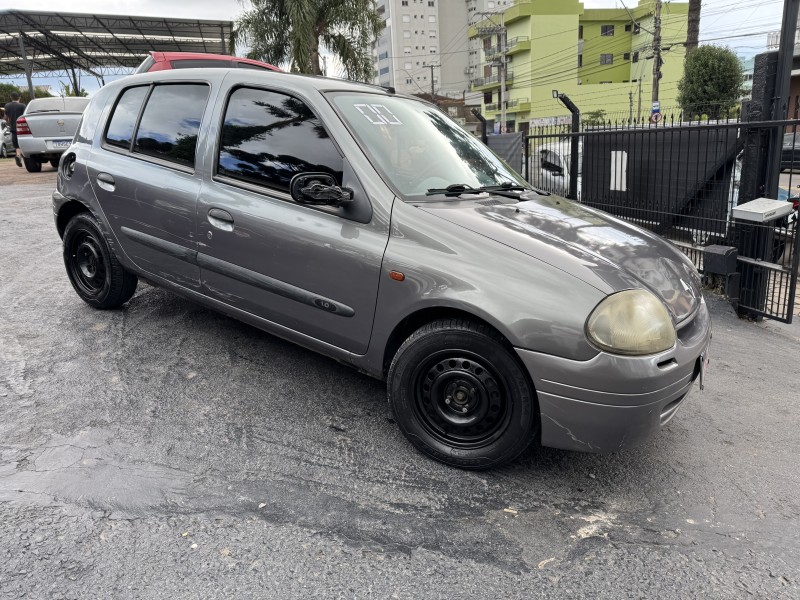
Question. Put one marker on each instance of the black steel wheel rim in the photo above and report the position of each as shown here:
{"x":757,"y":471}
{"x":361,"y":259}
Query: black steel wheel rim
{"x":461,"y":399}
{"x":86,"y":263}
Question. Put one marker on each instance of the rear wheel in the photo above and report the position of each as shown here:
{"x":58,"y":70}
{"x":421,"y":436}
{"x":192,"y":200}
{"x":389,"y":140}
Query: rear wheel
{"x":32,"y":165}
{"x":94,"y":271}
{"x":460,"y":395}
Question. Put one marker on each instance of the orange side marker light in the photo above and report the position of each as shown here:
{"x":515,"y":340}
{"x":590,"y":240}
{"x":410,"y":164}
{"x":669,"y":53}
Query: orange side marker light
{"x":397,"y":275}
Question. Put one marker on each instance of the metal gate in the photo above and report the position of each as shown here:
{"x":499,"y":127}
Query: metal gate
{"x":682,"y":181}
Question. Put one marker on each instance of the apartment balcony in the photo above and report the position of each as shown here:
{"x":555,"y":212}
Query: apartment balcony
{"x":482,"y":84}
{"x":517,"y":105}
{"x":774,"y":41}
{"x":520,"y":9}
{"x":521,"y":43}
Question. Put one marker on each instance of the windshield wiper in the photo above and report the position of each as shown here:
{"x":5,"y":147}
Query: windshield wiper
{"x":456,"y":189}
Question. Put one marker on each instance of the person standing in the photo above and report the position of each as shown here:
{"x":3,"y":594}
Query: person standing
{"x":14,"y":110}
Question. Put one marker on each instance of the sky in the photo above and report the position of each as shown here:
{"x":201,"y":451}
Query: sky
{"x":748,"y":20}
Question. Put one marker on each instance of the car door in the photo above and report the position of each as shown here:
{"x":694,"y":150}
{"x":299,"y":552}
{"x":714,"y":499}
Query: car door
{"x":312,"y":269}
{"x":143,"y":176}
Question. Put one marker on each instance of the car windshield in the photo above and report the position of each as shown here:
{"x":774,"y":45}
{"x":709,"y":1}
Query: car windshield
{"x":418,"y":148}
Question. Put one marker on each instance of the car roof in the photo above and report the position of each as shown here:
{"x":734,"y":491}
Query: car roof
{"x":304,"y":84}
{"x":170,"y":56}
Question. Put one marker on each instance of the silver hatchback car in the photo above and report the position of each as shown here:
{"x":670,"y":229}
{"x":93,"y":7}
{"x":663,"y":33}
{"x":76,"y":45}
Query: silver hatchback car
{"x":370,"y":227}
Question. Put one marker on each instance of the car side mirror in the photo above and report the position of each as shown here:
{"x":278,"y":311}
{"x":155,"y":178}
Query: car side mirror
{"x":318,"y":189}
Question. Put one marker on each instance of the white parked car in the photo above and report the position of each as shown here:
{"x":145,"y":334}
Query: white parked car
{"x":46,"y":129}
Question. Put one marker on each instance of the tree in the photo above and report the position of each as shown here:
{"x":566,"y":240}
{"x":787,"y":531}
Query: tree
{"x":693,"y":26}
{"x":594,"y":118}
{"x":41,"y":91}
{"x":67,"y":90}
{"x":712,"y":82}
{"x":292,"y":31}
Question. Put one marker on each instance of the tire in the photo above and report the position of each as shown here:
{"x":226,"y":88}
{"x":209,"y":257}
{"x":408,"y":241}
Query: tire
{"x":461,"y":396}
{"x":54,"y":163}
{"x":32,"y":165}
{"x":3,"y":151}
{"x":92,"y":268}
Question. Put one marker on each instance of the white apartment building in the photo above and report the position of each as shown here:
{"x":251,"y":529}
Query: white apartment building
{"x":427,"y":42}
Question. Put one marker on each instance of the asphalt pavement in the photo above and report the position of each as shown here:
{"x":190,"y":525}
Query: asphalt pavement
{"x":166,"y":451}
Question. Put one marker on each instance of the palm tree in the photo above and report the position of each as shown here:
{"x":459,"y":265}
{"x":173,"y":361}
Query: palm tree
{"x":291,"y":31}
{"x":693,"y":29}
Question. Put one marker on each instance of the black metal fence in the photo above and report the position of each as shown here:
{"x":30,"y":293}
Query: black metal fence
{"x":682,"y":180}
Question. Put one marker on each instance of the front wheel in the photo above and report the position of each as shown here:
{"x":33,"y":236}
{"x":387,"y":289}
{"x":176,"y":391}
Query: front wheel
{"x":32,"y":165}
{"x":94,"y":271}
{"x":459,"y":394}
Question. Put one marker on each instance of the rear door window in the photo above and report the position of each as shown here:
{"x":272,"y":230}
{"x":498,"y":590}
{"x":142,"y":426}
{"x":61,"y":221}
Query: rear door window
{"x":171,"y":121}
{"x":269,"y":137}
{"x":123,"y":120}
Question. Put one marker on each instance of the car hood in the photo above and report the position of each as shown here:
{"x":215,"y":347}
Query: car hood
{"x":591,"y":245}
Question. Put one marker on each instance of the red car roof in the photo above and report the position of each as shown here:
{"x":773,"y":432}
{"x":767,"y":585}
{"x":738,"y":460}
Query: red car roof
{"x":168,"y":57}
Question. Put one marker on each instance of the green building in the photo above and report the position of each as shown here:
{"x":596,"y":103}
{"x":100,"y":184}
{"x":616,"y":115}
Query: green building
{"x":601,"y":58}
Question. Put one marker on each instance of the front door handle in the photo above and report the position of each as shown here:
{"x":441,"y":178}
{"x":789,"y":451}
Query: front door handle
{"x":106,"y":181}
{"x":221,"y":219}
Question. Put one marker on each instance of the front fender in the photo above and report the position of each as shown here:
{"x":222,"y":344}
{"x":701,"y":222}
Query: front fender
{"x":534,"y":305}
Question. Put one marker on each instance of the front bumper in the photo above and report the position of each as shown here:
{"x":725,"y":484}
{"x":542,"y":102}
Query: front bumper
{"x":611,"y":402}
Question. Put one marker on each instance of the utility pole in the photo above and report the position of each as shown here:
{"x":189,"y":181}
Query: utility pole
{"x":630,"y":107}
{"x":501,"y":41}
{"x":780,"y":106}
{"x":657,"y":51}
{"x":433,"y":95}
{"x":639,"y":113}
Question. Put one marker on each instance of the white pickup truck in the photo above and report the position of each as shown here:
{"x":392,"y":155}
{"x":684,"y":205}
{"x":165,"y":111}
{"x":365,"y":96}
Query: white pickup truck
{"x":46,"y":129}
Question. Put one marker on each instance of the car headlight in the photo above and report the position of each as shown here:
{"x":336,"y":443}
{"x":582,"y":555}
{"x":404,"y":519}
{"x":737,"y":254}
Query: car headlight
{"x":632,"y":322}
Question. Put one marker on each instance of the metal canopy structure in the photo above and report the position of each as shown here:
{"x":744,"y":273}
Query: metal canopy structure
{"x":48,"y":44}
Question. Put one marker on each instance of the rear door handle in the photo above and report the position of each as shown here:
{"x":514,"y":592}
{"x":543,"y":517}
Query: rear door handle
{"x":221,"y":219}
{"x":106,"y":181}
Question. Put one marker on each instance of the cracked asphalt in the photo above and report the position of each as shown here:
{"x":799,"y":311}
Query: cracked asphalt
{"x":165,"y":451}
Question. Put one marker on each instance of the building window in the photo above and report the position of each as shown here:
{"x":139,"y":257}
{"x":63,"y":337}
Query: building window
{"x":606,"y":30}
{"x":433,"y":50}
{"x":406,"y":34}
{"x":430,"y":3}
{"x":432,"y":33}
{"x":407,"y":50}
{"x":404,"y":3}
{"x":637,"y":29}
{"x":635,"y":57}
{"x":628,"y":27}
{"x":580,"y":60}
{"x":580,"y":32}
{"x":602,"y":82}
{"x":406,"y":19}
{"x":384,"y":71}
{"x":431,"y":19}
{"x":626,"y":56}
{"x":606,"y":59}
{"x":408,"y":80}
{"x":407,"y":66}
